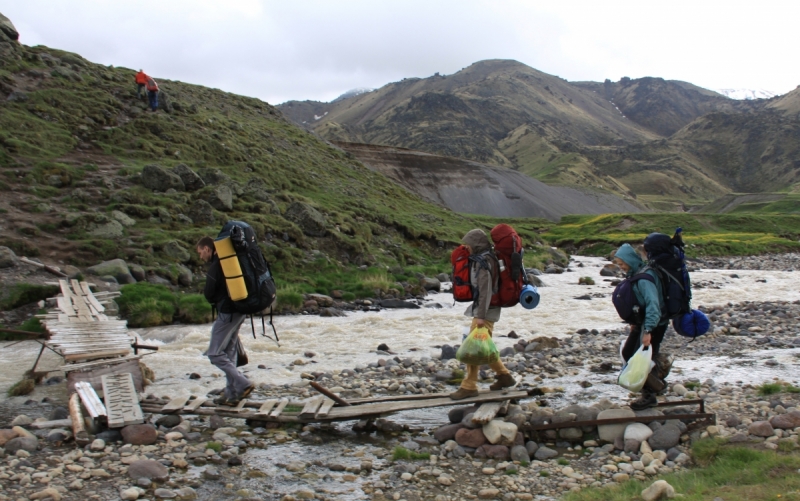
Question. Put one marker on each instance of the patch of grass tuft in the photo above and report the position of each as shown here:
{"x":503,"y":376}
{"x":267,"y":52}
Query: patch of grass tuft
{"x":23,"y":387}
{"x":193,"y":309}
{"x":562,"y":461}
{"x":544,"y":473}
{"x":769,"y":389}
{"x":511,"y":471}
{"x":214,"y":446}
{"x":692,"y":385}
{"x":146,"y":305}
{"x":403,"y":453}
{"x":24,"y":293}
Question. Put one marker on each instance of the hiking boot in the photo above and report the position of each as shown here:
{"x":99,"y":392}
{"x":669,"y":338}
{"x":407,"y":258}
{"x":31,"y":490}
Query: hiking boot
{"x":463,"y":393}
{"x":223,"y":400}
{"x":646,"y":401}
{"x":247,"y":391}
{"x":503,"y":381}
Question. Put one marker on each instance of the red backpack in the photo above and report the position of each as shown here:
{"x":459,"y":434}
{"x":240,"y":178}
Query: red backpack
{"x":508,"y":249}
{"x":508,"y":252}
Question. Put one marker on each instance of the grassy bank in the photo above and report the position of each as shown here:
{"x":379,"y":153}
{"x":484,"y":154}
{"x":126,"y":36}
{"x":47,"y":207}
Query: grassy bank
{"x":705,"y":234}
{"x":730,"y":473}
{"x":147,"y":305}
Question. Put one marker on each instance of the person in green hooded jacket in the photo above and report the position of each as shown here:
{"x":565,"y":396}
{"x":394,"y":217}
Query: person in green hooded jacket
{"x":650,"y":329}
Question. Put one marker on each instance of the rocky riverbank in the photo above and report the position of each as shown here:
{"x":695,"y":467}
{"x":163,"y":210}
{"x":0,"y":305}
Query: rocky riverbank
{"x":228,"y":458}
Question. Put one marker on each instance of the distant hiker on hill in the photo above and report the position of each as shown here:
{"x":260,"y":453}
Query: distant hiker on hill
{"x":152,"y":93}
{"x":483,"y":315}
{"x":141,"y":81}
{"x":224,"y":345}
{"x":647,"y":329}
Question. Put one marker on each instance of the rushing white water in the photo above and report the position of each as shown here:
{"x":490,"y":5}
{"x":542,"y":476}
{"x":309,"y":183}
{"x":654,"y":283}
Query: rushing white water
{"x":345,"y":342}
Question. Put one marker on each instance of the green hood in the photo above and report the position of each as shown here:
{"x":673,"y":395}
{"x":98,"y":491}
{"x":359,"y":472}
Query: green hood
{"x":628,"y":254}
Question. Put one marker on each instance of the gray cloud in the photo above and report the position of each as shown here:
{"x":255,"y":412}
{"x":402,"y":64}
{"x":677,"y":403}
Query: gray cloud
{"x":318,"y":49}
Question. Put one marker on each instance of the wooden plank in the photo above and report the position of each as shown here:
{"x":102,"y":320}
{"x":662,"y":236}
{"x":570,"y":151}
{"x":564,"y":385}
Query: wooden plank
{"x":175,"y":404}
{"x":240,"y":406}
{"x":266,"y":407}
{"x":65,"y":306}
{"x":312,"y":406}
{"x":90,"y":400}
{"x":197,"y":402}
{"x":486,"y":412}
{"x":93,"y":300}
{"x":58,"y":423}
{"x":122,"y":400}
{"x":376,"y":409}
{"x":324,"y":409}
{"x":100,"y":363}
{"x":95,"y":355}
{"x":281,"y":405}
{"x":76,"y":416}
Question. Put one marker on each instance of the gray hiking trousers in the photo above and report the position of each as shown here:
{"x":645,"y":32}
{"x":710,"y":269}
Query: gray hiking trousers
{"x":222,"y":351}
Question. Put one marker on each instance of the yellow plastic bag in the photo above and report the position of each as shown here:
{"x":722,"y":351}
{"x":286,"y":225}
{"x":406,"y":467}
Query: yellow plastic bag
{"x":635,"y":372}
{"x":478,"y":348}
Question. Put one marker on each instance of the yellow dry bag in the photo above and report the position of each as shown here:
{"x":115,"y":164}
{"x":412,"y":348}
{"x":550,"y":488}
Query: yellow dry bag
{"x":237,"y":289}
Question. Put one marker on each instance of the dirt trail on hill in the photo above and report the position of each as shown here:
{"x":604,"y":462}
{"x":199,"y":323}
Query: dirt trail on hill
{"x":475,"y":188}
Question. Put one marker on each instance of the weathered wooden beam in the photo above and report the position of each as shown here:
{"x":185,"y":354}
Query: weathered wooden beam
{"x":329,"y":394}
{"x":90,"y":400}
{"x":58,"y":423}
{"x":122,"y":400}
{"x":78,"y":426}
{"x":485,"y":413}
{"x":311,"y":407}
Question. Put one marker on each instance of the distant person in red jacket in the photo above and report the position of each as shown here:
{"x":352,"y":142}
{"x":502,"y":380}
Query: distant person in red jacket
{"x":141,"y":82}
{"x":152,"y":93}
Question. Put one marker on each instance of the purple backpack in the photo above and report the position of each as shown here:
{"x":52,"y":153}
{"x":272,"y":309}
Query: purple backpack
{"x":624,"y":299}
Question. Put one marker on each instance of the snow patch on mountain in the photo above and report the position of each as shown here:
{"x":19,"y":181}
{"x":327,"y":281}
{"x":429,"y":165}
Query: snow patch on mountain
{"x":353,"y":93}
{"x":747,"y":94}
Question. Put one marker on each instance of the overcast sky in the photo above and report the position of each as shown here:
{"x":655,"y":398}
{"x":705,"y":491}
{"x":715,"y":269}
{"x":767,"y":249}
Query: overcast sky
{"x":295,"y":49}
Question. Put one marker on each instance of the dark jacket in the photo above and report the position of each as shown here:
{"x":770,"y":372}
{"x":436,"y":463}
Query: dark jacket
{"x":485,"y":281}
{"x":216,"y":291}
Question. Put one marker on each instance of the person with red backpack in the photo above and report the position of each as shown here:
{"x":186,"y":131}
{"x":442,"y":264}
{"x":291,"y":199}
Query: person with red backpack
{"x":484,"y":276}
{"x":152,"y":93}
{"x":141,"y":82}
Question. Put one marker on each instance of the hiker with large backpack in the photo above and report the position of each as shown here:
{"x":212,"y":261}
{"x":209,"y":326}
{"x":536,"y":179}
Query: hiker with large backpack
{"x":225,"y":344}
{"x":483,"y":272}
{"x":640,"y":301}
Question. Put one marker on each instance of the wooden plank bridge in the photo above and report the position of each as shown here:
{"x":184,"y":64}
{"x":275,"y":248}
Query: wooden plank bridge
{"x":323,"y":409}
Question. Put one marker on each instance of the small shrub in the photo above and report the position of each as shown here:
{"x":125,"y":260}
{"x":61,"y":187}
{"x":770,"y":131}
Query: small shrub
{"x":790,"y":388}
{"x":22,"y":294}
{"x":193,"y":309}
{"x":146,"y":305}
{"x":214,"y":446}
{"x":403,"y":453}
{"x":348,"y":296}
{"x":288,"y":298}
{"x":32,"y":324}
{"x":769,"y":389}
{"x":586,"y":281}
{"x":23,"y":387}
{"x":544,"y":473}
{"x":562,"y":462}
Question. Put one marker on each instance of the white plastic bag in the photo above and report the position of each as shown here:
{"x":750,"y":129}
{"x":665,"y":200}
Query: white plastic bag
{"x":634,"y":373}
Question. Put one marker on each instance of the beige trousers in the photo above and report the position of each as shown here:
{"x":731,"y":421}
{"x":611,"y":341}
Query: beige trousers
{"x":470,"y":381}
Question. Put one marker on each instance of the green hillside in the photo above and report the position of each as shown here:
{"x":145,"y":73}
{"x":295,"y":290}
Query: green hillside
{"x":75,"y":141}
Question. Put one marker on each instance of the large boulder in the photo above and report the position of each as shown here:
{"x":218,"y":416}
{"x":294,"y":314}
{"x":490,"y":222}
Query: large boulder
{"x":788,"y":421}
{"x":191,"y":180}
{"x":7,"y":28}
{"x":470,"y":438}
{"x":500,"y":432}
{"x":638,"y":431}
{"x":7,"y":256}
{"x":157,"y":178}
{"x":21,"y":443}
{"x":139,"y":434}
{"x":613,"y":432}
{"x":610,"y":270}
{"x":761,"y":429}
{"x":309,"y":219}
{"x":176,"y":251}
{"x":213,"y":176}
{"x":431,"y":284}
{"x":221,"y":198}
{"x":257,"y":189}
{"x":149,"y":469}
{"x":201,"y":213}
{"x":123,"y":219}
{"x":109,"y":230}
{"x":665,"y":437}
{"x":116,"y":268}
